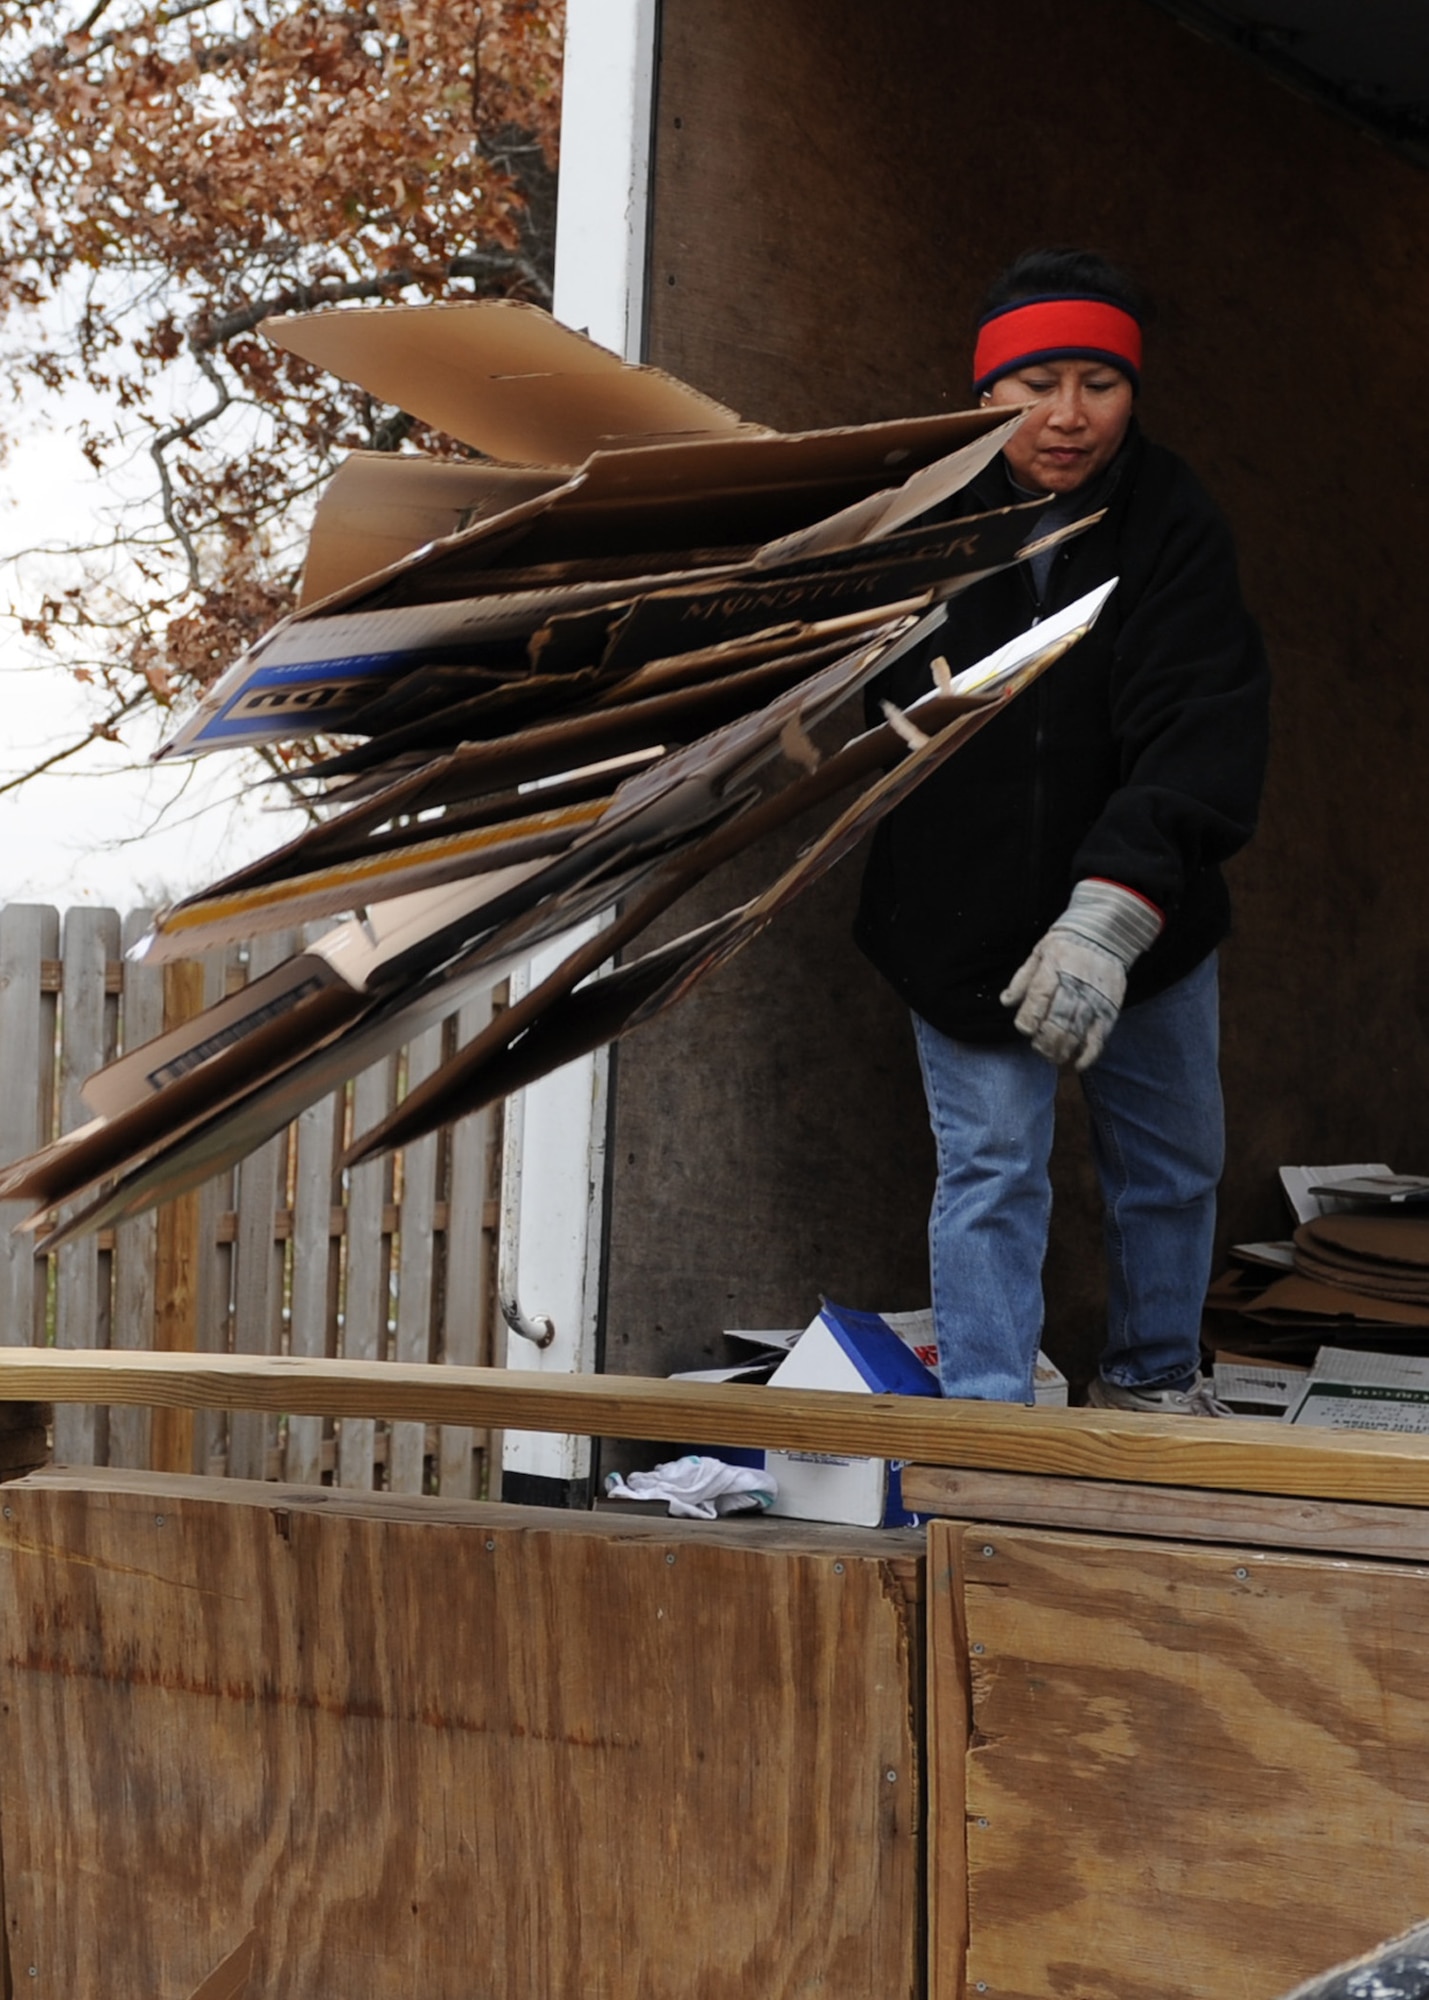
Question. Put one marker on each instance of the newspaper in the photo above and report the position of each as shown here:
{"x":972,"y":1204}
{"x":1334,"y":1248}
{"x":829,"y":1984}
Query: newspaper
{"x":1259,"y":1388}
{"x":1362,"y":1406}
{"x":1350,"y":1390}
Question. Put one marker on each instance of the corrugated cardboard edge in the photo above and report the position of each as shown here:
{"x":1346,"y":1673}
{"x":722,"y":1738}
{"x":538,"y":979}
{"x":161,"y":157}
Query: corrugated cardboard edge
{"x":229,"y":1981}
{"x":651,"y":403}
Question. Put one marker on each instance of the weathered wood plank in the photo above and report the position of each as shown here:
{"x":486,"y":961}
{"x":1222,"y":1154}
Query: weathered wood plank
{"x":1248,"y":1456}
{"x":222,"y":974}
{"x":177,"y":1251}
{"x":136,"y":1243}
{"x":364,"y":1330}
{"x":950,"y":1727}
{"x":29,"y":932}
{"x":1175,"y":1513}
{"x":901,"y":1548}
{"x":314,"y":1324}
{"x":406,"y":1452}
{"x":258,"y":1259}
{"x":1192,"y":1772}
{"x":87,"y":1024}
{"x":467,"y":1330}
{"x":703,"y":1745}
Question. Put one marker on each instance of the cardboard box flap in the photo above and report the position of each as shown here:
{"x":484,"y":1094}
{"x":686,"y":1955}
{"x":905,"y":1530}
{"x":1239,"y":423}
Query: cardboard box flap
{"x":408,"y":513}
{"x":846,"y":1349}
{"x":871,"y":456}
{"x":380,"y":508}
{"x":502,"y":376}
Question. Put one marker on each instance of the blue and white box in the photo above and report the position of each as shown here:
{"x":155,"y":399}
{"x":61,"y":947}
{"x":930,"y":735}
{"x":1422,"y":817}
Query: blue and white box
{"x":858,"y":1351}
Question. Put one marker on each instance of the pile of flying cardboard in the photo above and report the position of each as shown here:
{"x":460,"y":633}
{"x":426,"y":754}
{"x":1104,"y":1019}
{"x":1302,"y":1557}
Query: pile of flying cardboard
{"x":565,"y":678}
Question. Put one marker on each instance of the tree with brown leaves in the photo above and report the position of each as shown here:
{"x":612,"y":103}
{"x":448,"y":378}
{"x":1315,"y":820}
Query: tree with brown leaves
{"x":170,"y":174}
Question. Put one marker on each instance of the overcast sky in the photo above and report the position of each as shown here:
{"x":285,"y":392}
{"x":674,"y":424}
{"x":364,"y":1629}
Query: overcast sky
{"x":106,"y":828}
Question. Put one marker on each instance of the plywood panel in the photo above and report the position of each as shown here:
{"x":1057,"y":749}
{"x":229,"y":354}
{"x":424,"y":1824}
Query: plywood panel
{"x":437,"y":1749}
{"x":1192,"y":1772}
{"x":949,"y":1740}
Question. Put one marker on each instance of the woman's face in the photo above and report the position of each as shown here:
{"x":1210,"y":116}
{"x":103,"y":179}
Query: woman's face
{"x":1073,"y":432}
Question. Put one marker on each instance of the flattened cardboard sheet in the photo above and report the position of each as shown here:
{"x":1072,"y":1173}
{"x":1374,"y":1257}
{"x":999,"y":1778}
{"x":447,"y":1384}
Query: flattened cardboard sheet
{"x":162,"y":1062}
{"x":767,"y":502}
{"x":382,"y":506}
{"x":274,"y":1097}
{"x":563,"y":1018}
{"x":319,"y":673}
{"x":1299,"y":1299}
{"x":505,"y":855}
{"x":149,"y":1119}
{"x":421,"y":945}
{"x":625,"y":633}
{"x":1395,"y":1239}
{"x":502,"y":376}
{"x":396,"y":862}
{"x":309,"y":676}
{"x":612,"y":727}
{"x":350,"y":835}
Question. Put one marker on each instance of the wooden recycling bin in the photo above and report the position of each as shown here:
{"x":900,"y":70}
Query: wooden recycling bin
{"x":452,"y":1750}
{"x":1174,"y":1739}
{"x":1178,"y":1741}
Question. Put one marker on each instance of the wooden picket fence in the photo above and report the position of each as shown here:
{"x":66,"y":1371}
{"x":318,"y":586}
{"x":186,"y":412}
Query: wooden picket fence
{"x":284,"y":1254}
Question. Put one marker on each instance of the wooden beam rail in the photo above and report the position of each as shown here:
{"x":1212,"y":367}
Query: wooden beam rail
{"x":1238,"y":1455}
{"x":1169,"y":1513}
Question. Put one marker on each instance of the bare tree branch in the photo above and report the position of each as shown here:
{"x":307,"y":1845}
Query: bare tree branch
{"x":98,"y":730}
{"x":175,"y":434}
{"x":484,"y":264}
{"x":337,"y":162}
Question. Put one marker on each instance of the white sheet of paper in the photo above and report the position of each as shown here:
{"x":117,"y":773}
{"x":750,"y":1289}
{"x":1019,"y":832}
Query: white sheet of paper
{"x":1298,"y":1183}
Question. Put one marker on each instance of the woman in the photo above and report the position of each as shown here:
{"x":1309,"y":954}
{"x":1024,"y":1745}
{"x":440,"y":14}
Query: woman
{"x":1054,"y":894}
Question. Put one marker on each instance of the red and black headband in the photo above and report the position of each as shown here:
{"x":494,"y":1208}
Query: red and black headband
{"x":1072,"y":326}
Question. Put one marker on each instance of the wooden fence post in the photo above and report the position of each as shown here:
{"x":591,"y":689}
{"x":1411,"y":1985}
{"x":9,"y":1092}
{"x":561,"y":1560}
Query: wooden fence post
{"x":29,"y":935}
{"x":87,"y":1030}
{"x":176,"y":1253}
{"x":137,"y":1260}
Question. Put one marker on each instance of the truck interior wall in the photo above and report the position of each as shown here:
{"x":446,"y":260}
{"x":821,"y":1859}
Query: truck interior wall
{"x":830,"y":197}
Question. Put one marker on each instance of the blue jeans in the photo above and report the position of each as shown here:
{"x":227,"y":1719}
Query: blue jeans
{"x":1158,"y":1135}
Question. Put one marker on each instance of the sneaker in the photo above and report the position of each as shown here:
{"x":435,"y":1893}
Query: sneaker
{"x":1197,"y":1401}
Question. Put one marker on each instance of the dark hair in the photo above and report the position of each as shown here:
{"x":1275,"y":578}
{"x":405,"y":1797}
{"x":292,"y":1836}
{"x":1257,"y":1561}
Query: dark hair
{"x":1047,"y":273}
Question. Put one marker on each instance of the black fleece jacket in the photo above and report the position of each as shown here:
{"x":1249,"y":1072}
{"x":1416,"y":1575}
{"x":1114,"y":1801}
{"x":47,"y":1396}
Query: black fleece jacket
{"x":1137,"y":757}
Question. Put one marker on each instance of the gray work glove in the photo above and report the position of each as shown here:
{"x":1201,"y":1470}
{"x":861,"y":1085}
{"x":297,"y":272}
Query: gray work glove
{"x":1069,"y":992}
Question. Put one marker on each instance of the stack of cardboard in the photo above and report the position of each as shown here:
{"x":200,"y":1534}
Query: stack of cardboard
{"x":1376,"y":1256}
{"x":1356,"y":1268}
{"x":569,"y":678}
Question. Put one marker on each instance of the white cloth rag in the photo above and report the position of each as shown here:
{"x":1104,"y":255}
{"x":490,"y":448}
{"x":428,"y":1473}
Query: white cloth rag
{"x":698,"y":1489}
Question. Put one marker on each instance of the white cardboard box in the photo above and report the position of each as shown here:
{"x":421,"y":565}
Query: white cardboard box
{"x":843,"y":1349}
